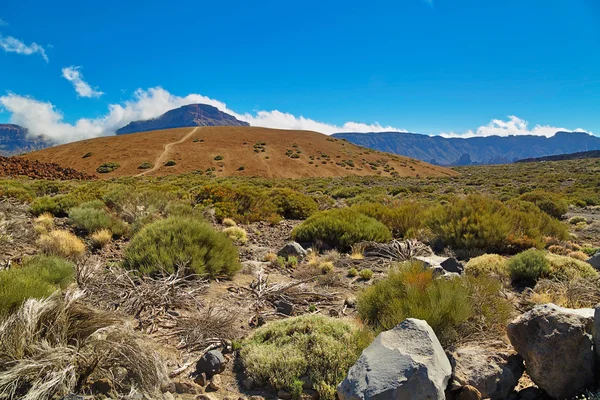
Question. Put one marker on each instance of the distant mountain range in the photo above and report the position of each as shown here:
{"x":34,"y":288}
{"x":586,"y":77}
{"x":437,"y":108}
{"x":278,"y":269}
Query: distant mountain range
{"x":476,"y":150}
{"x":186,"y":116}
{"x":562,"y":157}
{"x":14,"y":140}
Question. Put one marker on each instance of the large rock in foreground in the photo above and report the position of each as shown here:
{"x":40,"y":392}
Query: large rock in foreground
{"x":405,"y":363}
{"x":557,"y":346}
{"x":493,"y":369}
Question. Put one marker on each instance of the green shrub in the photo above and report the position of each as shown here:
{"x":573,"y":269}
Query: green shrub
{"x":243,"y":203}
{"x":170,"y":163}
{"x":568,"y":268}
{"x":411,"y":292}
{"x":237,"y":234}
{"x":365,"y":274}
{"x":529,"y":266}
{"x":174,"y":243}
{"x":352,"y":272}
{"x":488,"y":265}
{"x":145,"y":165}
{"x":45,"y":204}
{"x":404,"y":219}
{"x":37,"y":277}
{"x":340,"y":228}
{"x":87,"y":155}
{"x":292,"y":204}
{"x":218,"y":158}
{"x":314,"y":346}
{"x":90,"y":219}
{"x":550,"y":203}
{"x":107,"y":167}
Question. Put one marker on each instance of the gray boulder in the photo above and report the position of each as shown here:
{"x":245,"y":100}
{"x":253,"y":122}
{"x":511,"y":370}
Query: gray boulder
{"x":557,"y":346}
{"x":211,"y":364}
{"x":292,"y":249}
{"x":491,"y":368}
{"x":448,"y":264}
{"x":404,"y":363}
{"x":594,"y":261}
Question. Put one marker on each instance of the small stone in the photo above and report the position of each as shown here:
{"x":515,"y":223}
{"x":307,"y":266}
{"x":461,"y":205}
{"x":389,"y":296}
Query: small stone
{"x":469,"y":393}
{"x":201,"y":379}
{"x":285,"y":308}
{"x":184,"y":387}
{"x":282,"y":394}
{"x":211,"y":363}
{"x":215,"y":383}
{"x":168,"y":396}
{"x":292,"y":249}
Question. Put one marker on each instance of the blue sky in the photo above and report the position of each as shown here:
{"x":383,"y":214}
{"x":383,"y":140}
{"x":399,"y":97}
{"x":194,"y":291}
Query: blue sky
{"x":445,"y":66}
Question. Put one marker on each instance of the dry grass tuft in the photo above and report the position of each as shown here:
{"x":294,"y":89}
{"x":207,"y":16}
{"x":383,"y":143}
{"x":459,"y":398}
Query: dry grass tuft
{"x":579,"y":255}
{"x":270,"y":257}
{"x":43,"y":223}
{"x":62,"y":243}
{"x":575,"y":293}
{"x":358,"y":251}
{"x":58,"y":345}
{"x":101,"y":238}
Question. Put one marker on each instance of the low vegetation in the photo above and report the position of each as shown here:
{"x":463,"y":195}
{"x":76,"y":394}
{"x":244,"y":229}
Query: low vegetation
{"x":37,"y":277}
{"x":183,"y":245}
{"x":340,"y":229}
{"x":321,"y":348}
{"x":107,"y":167}
{"x":61,"y":243}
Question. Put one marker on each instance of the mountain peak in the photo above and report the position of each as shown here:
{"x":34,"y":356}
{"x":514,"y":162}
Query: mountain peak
{"x":185,"y":116}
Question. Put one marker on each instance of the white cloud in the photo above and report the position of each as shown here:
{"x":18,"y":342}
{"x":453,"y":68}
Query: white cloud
{"x":513,"y":126}
{"x":14,"y":45}
{"x":73,"y":74}
{"x":42,"y":118}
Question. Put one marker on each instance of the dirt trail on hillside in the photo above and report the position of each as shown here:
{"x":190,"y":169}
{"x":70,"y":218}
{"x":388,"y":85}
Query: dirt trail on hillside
{"x":160,"y":160}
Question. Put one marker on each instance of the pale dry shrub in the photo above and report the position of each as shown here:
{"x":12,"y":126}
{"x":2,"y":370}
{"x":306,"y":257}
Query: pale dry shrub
{"x":54,"y":346}
{"x":579,"y":255}
{"x":358,"y":251}
{"x":326,"y":267}
{"x":560,"y":250}
{"x":229,"y":222}
{"x":331,"y":256}
{"x":574,"y":293}
{"x":488,"y":264}
{"x":199,"y":329}
{"x":62,"y":243}
{"x":237,"y":234}
{"x":43,"y":223}
{"x":101,"y":238}
{"x":313,"y":259}
{"x":270,"y":257}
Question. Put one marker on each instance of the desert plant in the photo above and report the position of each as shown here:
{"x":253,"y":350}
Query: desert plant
{"x":352,"y":272}
{"x":228,"y":222}
{"x":405,"y":219}
{"x":36,"y":277}
{"x":529,"y":266}
{"x":87,"y":155}
{"x":320,"y":348}
{"x":89,"y":218}
{"x":145,"y":165}
{"x":101,"y":238}
{"x":107,"y":167}
{"x":61,"y":243}
{"x":181,"y":243}
{"x":44,"y":222}
{"x":567,"y":268}
{"x":326,"y":267}
{"x":237,"y":234}
{"x":340,"y":229}
{"x":550,"y":203}
{"x":365,"y":274}
{"x":270,"y":257}
{"x":292,"y":204}
{"x":218,"y":158}
{"x":170,"y":163}
{"x":488,"y":264}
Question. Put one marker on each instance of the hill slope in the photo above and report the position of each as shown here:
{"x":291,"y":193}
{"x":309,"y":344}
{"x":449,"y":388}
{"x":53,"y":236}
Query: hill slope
{"x":190,"y":115}
{"x":233,"y":151}
{"x":562,"y":157}
{"x":476,"y":150}
{"x":14,"y":140}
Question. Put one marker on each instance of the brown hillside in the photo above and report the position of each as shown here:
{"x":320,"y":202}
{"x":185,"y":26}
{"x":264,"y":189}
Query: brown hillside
{"x":284,"y":154}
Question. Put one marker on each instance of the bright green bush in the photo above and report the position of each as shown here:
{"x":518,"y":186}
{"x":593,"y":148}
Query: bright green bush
{"x":411,"y":292}
{"x":166,"y":246}
{"x":45,"y":204}
{"x":340,"y":229}
{"x":91,"y":219}
{"x":404,"y":219}
{"x":550,"y":203}
{"x":292,"y":204}
{"x":314,"y":346}
{"x":37,"y":277}
{"x":365,"y":274}
{"x":529,"y":266}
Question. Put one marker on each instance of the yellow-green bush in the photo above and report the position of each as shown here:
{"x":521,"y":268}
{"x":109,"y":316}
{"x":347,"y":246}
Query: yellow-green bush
{"x":340,"y":229}
{"x":37,"y":277}
{"x":237,"y":234}
{"x":166,"y":246}
{"x":550,"y":203}
{"x":292,"y":204}
{"x":403,"y":219}
{"x":314,"y":346}
{"x":488,"y":264}
{"x":567,"y":268}
{"x":529,"y":266}
{"x":454,"y":308}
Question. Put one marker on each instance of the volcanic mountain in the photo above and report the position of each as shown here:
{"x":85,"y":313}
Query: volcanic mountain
{"x":475,"y":150}
{"x":190,"y":115}
{"x":231,"y":151}
{"x":14,"y":140}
